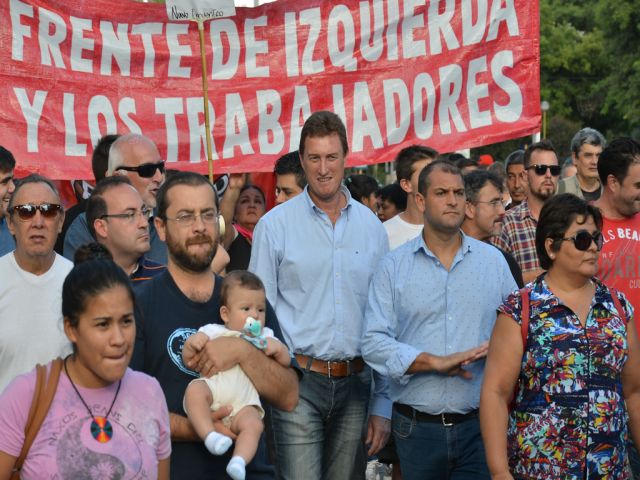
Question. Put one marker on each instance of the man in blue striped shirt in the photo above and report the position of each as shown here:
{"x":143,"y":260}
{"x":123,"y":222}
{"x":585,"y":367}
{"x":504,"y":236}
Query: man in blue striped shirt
{"x":316,"y":254}
{"x":432,"y":306}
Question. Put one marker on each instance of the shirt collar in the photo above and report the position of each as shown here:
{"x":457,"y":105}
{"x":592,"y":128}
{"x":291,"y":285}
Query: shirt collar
{"x":418,"y":244}
{"x":312,"y":206}
{"x":524,"y":211}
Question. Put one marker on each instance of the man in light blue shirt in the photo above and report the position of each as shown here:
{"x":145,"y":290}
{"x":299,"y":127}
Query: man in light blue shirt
{"x":431,"y":309}
{"x":7,"y":164}
{"x":316,"y":254}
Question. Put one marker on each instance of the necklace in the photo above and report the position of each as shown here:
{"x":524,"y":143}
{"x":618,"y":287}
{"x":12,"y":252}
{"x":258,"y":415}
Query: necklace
{"x":101,"y":429}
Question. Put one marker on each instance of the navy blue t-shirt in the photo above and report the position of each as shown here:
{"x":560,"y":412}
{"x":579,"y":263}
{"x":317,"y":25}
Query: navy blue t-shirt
{"x":165,"y":318}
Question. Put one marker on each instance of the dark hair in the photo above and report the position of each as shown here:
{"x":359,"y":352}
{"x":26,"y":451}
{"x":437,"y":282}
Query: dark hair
{"x":588,"y":136}
{"x":323,"y":124}
{"x":87,"y":280}
{"x":556,"y":216}
{"x":239,"y":278}
{"x":395,"y":194}
{"x":96,"y":205}
{"x":33,"y":178}
{"x":476,"y":180}
{"x":497,"y":168}
{"x":543,"y":145}
{"x":442,"y":165}
{"x":514,"y":158}
{"x":465,"y":162}
{"x":361,"y":186}
{"x":289,"y":163}
{"x":454,"y":158}
{"x":179,"y":178}
{"x":100,"y":156}
{"x":616,"y":158}
{"x":7,"y":160}
{"x":251,"y":186}
{"x":91,"y":251}
{"x":408,"y":156}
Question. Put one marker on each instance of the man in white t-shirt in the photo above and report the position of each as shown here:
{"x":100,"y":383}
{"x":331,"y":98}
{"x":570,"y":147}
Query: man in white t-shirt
{"x":408,"y":224}
{"x":32,"y":276}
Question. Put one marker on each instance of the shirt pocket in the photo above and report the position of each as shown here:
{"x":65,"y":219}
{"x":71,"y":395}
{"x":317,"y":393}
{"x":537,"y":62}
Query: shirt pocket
{"x":360,"y":266}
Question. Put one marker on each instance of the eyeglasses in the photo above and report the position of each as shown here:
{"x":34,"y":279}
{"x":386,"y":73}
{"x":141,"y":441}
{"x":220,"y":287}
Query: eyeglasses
{"x":146,"y":170}
{"x":582,"y":240}
{"x":542,"y":169}
{"x":494,"y":203}
{"x":28,"y":210}
{"x":188,"y":219}
{"x":129,"y":217}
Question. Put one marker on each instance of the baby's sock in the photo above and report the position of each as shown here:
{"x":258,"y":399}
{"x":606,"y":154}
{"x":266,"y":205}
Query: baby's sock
{"x":235,"y":468}
{"x":217,"y":443}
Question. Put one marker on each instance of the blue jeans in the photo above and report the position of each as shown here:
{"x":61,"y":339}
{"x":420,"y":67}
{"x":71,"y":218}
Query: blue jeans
{"x":323,"y":438}
{"x":435,"y":452}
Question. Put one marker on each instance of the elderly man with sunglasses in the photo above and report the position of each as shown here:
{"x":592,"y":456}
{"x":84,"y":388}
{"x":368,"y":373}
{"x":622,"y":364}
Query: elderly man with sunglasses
{"x":136,"y":157}
{"x":542,"y":172}
{"x":31,"y":280}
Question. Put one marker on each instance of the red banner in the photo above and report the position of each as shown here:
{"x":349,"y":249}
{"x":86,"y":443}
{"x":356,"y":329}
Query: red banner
{"x":450,"y":74}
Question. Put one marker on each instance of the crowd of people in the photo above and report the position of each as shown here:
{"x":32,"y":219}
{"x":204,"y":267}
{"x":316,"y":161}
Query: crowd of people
{"x":473,"y":319}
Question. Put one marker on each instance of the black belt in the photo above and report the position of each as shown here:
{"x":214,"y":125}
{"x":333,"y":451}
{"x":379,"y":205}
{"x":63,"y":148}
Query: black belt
{"x":446,"y":419}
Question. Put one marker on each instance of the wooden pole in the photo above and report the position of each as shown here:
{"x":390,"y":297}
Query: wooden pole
{"x":205,"y":90}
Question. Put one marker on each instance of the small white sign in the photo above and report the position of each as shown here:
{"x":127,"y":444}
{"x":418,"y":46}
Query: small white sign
{"x":199,"y":10}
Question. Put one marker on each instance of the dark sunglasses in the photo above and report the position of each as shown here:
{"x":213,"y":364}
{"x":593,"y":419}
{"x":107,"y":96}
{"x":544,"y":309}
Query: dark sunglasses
{"x":28,"y":210}
{"x":582,"y":240}
{"x":542,"y":169}
{"x":146,"y":170}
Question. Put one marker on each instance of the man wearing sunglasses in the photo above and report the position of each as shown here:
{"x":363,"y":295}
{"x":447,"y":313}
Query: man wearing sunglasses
{"x":7,"y":164}
{"x":136,"y":157}
{"x":119,"y":220}
{"x":31,"y":280}
{"x":542,"y":172}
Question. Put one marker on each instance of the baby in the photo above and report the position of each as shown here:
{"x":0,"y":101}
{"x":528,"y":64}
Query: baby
{"x":243,"y":305}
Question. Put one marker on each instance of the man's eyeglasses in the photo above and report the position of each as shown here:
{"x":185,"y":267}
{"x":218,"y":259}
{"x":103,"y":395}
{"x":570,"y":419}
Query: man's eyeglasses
{"x":146,"y":170}
{"x":188,"y":219}
{"x":130,"y":216}
{"x":582,"y":240}
{"x":542,"y":169}
{"x":28,"y":210}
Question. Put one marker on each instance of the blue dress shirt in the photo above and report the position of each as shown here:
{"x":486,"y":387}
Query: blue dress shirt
{"x":7,"y":243}
{"x":417,"y":305}
{"x":317,"y":275}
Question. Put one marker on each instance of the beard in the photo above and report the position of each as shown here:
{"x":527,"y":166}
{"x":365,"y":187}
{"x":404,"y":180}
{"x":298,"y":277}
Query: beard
{"x":196,"y":263}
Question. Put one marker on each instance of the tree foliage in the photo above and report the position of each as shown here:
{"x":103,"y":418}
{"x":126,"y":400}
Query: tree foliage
{"x":590,"y":69}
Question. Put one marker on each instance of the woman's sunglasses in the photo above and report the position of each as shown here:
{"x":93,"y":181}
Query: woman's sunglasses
{"x":146,"y":170}
{"x":28,"y":210}
{"x":542,"y":169}
{"x":582,"y":240}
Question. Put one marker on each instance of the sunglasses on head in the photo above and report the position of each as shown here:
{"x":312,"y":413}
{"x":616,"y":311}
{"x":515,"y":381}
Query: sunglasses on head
{"x":146,"y":170}
{"x":28,"y":210}
{"x":582,"y":240}
{"x":542,"y":169}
